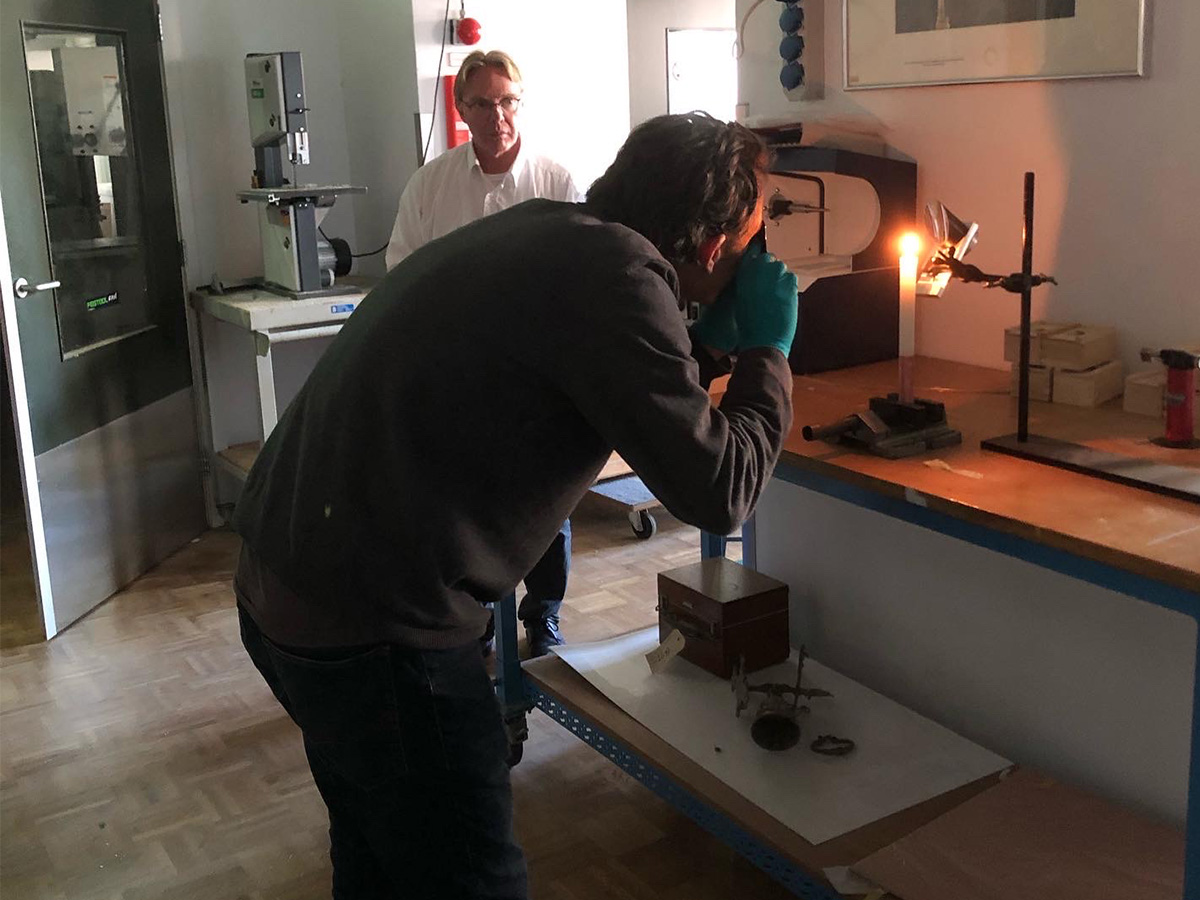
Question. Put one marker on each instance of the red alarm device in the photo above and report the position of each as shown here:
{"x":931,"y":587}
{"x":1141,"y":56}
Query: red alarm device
{"x":469,"y":31}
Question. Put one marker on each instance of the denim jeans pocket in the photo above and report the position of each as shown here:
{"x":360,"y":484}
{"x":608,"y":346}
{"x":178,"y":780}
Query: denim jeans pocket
{"x":470,"y":727}
{"x":347,"y":709}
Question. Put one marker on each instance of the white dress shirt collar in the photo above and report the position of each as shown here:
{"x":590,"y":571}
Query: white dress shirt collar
{"x":514,"y":170}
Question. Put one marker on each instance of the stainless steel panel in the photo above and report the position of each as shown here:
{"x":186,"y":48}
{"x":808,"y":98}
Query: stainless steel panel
{"x":118,"y":500}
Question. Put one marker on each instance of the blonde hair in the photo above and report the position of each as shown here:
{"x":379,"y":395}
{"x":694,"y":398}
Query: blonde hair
{"x":477,"y":59}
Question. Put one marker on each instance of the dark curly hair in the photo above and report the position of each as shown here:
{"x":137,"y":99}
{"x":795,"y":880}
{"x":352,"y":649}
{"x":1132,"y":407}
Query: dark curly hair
{"x":679,"y":179}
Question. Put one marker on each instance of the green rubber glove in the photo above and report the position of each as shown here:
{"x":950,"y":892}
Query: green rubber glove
{"x":767,"y":303}
{"x":716,"y":326}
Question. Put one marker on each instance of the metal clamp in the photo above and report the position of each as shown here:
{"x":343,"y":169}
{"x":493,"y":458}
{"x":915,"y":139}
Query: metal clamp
{"x":687,"y":626}
{"x":22,"y":288}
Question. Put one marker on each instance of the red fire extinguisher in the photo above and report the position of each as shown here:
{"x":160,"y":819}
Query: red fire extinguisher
{"x":457,"y":131}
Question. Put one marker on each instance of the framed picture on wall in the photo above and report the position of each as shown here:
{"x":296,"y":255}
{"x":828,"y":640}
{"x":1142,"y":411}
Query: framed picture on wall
{"x":901,"y":43}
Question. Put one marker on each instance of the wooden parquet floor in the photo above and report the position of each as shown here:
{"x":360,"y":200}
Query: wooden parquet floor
{"x":141,"y":756}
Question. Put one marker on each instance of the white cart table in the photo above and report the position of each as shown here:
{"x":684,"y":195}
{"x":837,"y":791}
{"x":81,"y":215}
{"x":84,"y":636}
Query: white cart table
{"x":268,"y":319}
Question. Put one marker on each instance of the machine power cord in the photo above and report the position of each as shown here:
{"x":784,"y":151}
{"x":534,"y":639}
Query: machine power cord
{"x":321,"y":231}
{"x":433,"y":118}
{"x":437,"y":82}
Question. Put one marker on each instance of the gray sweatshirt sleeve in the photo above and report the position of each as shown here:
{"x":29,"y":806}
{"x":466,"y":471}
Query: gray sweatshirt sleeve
{"x":630,"y":370}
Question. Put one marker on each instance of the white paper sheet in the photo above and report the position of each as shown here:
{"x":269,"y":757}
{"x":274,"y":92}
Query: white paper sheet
{"x":901,"y":758}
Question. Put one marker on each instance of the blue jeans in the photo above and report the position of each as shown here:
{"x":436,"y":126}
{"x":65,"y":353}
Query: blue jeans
{"x":546,"y":583}
{"x":408,"y":750}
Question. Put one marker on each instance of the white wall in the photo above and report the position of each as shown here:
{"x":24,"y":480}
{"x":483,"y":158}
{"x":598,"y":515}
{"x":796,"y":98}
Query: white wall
{"x":1089,"y":685}
{"x":1117,"y":181}
{"x":648,"y":24}
{"x":379,"y":91}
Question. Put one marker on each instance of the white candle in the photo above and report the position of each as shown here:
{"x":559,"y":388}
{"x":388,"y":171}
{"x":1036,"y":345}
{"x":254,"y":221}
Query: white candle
{"x":910,"y":245}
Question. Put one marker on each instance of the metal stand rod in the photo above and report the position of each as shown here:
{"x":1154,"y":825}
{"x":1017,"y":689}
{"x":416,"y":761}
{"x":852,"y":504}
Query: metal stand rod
{"x":1026,"y":314}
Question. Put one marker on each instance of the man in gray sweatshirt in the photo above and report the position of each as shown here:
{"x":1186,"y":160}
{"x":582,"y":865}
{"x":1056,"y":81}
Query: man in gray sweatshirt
{"x":451,"y":427}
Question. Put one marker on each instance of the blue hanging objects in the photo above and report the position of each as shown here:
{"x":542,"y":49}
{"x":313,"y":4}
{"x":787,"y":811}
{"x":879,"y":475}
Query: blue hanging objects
{"x":791,"y":19}
{"x":791,"y":76}
{"x":791,"y":47}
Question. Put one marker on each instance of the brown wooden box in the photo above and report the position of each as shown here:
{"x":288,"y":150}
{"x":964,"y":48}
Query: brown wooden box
{"x":1038,"y":332}
{"x":1090,"y":387}
{"x":725,"y":610}
{"x":1041,"y":382}
{"x":1083,"y":347}
{"x":1144,"y":393}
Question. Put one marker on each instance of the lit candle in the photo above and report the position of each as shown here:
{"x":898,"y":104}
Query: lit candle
{"x":910,"y":246}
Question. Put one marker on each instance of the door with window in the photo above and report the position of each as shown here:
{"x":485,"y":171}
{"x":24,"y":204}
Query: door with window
{"x":94,"y":323}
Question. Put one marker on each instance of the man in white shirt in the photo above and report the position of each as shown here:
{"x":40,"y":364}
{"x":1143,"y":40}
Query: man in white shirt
{"x":489,"y":173}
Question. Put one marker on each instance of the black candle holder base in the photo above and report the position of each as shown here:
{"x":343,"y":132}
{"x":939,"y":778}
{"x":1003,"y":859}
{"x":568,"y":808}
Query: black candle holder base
{"x":892,"y":428}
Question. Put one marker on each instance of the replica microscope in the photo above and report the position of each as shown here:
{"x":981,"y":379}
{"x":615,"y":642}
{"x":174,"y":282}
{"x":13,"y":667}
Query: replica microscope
{"x":298,"y":261}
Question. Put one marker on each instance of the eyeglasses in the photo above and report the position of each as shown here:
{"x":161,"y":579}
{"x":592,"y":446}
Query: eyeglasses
{"x":508,"y":104}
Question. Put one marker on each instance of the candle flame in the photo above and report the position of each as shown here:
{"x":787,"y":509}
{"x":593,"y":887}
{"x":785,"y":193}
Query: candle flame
{"x":910,"y":244}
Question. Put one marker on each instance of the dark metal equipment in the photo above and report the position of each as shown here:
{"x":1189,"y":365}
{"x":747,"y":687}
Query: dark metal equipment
{"x":778,"y":718}
{"x":849,"y":305}
{"x":298,"y":260}
{"x":891,"y":428}
{"x":1013,"y":283}
{"x":832,"y":745}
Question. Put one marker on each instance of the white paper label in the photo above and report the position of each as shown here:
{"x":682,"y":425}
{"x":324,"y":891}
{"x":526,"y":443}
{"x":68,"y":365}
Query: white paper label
{"x":666,"y":651}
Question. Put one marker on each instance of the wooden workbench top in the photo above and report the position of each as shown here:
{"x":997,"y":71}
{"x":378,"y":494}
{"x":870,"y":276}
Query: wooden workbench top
{"x":557,"y":679}
{"x":1135,"y":530}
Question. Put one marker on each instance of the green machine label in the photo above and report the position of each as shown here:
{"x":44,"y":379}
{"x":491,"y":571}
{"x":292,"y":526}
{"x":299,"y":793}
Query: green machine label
{"x":257,"y":93}
{"x":102,"y":300}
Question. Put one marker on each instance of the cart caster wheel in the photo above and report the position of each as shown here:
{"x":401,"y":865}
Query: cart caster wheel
{"x":643,"y":525}
{"x":515,"y":752}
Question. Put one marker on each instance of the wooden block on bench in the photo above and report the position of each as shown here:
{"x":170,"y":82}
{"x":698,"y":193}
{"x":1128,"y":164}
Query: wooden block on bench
{"x":1038,"y":332}
{"x":1082,"y":347}
{"x":1041,"y":382}
{"x":1089,"y":387}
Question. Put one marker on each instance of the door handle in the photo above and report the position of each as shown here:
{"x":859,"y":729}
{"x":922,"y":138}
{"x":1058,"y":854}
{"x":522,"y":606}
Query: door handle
{"x":22,"y":288}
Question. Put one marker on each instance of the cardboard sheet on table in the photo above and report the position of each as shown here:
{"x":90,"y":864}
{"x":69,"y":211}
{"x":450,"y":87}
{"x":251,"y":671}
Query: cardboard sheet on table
{"x":1031,"y":838}
{"x":901,"y":759}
